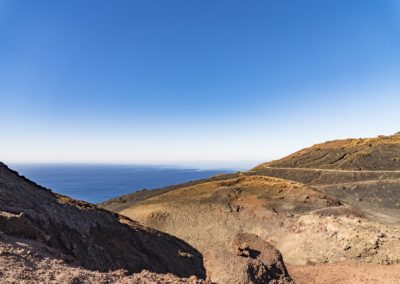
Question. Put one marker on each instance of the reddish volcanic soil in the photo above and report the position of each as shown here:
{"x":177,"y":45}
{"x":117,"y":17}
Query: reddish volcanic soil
{"x":347,"y":272}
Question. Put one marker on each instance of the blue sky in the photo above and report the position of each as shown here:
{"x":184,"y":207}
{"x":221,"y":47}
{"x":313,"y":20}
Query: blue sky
{"x":205,"y":82}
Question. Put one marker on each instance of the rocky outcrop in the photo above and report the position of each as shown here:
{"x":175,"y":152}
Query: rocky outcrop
{"x":248,"y":260}
{"x":88,"y":236}
{"x":27,"y":262}
{"x":19,"y":225}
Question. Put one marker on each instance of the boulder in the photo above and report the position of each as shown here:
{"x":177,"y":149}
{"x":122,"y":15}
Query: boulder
{"x":248,"y":259}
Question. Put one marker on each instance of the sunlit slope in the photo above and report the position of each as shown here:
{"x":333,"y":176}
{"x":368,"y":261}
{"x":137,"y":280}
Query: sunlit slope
{"x":372,"y":154}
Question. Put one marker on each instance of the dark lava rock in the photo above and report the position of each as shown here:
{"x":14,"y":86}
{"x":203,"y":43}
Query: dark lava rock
{"x":94,"y":238}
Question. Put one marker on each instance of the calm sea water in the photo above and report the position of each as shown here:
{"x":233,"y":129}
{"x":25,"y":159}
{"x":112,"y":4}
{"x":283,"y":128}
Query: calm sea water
{"x":97,"y":183}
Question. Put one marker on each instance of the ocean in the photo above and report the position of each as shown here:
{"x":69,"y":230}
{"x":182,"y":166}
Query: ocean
{"x":97,"y":183}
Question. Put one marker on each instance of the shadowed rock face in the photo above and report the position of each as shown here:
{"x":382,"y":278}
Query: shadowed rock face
{"x":27,"y":261}
{"x":87,"y":235}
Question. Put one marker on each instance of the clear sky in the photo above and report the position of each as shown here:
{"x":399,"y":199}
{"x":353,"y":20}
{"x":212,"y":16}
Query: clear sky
{"x":145,"y":81}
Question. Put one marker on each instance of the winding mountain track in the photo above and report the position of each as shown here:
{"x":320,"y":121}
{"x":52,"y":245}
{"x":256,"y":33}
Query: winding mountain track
{"x":332,"y":170}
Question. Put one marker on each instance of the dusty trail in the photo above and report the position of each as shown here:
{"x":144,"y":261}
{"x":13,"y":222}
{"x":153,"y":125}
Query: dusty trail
{"x":332,"y":170}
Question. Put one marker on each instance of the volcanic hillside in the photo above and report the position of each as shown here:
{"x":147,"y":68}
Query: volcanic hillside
{"x":333,"y":202}
{"x":80,"y":234}
{"x":305,"y":224}
{"x":362,"y":172}
{"x":373,"y":154}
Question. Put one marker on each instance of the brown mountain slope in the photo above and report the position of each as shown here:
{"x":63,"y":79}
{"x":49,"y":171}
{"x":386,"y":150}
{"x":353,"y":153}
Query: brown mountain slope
{"x":86,"y":235}
{"x":374,"y":154}
{"x":302,"y":221}
{"x":304,"y":224}
{"x":122,"y":202}
{"x":362,"y":172}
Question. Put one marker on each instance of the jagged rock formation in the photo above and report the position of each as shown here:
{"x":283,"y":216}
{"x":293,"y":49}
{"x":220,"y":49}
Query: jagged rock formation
{"x":248,"y":260}
{"x":84,"y":235}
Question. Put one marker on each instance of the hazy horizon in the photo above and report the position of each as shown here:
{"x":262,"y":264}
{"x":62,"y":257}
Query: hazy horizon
{"x":195,"y":165}
{"x":193,"y":83}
